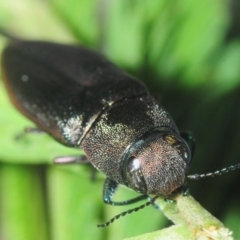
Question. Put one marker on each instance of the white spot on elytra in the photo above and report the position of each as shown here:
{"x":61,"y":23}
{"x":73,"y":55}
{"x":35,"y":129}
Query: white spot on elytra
{"x":24,"y":78}
{"x":71,"y":128}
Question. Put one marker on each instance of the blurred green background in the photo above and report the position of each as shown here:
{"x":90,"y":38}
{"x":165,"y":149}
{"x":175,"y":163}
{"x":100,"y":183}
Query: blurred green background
{"x":187,"y":52}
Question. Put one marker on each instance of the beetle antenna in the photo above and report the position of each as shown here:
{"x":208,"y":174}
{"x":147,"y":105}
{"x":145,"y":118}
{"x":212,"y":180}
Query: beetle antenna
{"x":216,"y":173}
{"x":127,"y":212}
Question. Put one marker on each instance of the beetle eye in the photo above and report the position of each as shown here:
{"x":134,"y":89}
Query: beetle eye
{"x":134,"y":175}
{"x":181,"y":147}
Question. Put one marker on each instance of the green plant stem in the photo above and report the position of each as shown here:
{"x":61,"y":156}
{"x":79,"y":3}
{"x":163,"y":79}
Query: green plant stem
{"x":187,"y":211}
{"x":191,"y":221}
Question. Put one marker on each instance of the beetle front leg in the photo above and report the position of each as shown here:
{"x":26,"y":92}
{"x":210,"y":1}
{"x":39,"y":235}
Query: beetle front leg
{"x":110,"y":188}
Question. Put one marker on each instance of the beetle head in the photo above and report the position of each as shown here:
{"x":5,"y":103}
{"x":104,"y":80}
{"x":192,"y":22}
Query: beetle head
{"x":156,"y":164}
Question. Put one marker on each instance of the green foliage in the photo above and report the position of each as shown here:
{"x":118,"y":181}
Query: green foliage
{"x":80,"y":17}
{"x":178,"y":47}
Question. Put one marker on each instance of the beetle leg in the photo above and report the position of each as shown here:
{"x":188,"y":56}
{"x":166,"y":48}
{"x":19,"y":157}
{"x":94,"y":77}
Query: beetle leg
{"x":110,"y":188}
{"x":33,"y":130}
{"x":71,"y":159}
{"x":76,"y":160}
{"x":155,"y":205}
{"x":190,"y":139}
{"x":29,"y":130}
{"x":185,"y":190}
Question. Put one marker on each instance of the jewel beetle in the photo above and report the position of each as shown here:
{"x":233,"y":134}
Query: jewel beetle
{"x":84,"y":101}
